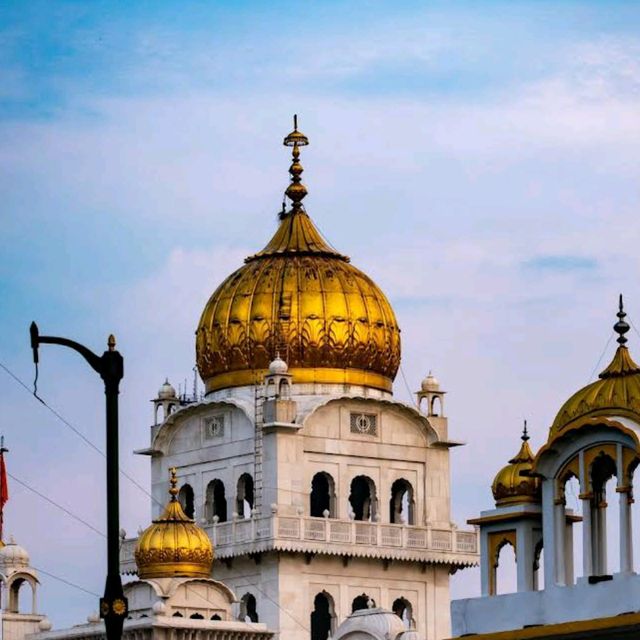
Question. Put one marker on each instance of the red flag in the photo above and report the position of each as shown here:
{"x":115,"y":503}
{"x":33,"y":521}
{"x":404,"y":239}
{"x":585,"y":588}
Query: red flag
{"x":4,"y":487}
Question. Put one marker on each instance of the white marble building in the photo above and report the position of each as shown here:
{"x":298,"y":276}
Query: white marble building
{"x":319,"y":490}
{"x":593,"y":443}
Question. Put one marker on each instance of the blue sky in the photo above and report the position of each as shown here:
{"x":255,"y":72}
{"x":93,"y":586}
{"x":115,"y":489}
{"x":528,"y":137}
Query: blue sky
{"x":478,"y":159}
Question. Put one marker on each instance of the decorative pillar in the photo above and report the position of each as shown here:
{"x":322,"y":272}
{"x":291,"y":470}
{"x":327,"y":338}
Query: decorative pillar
{"x":626,"y":546}
{"x":559,"y":537}
{"x":486,"y":564}
{"x":525,"y":557}
{"x":587,"y":536}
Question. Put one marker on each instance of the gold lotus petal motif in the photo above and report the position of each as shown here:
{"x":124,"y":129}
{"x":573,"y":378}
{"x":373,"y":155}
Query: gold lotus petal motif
{"x":300,"y":298}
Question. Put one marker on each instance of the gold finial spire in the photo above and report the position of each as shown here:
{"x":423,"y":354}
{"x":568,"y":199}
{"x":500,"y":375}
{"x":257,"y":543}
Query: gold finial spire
{"x":296,"y":191}
{"x":173,"y":481}
{"x":622,"y":326}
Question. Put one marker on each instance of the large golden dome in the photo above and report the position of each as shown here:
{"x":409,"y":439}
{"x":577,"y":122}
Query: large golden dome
{"x":615,"y":393}
{"x":174,"y":545}
{"x":303,"y":300}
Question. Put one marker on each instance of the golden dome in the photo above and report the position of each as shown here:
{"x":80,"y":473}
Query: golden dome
{"x":174,"y":545}
{"x":301,"y":298}
{"x":510,"y":486}
{"x":615,"y":393}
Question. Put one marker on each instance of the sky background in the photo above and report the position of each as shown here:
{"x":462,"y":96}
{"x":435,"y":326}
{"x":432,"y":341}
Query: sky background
{"x":479,"y":160}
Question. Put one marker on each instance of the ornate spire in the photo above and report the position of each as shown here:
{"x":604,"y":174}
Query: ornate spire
{"x":173,"y":482}
{"x":621,"y":327}
{"x":525,"y":434}
{"x":296,"y":191}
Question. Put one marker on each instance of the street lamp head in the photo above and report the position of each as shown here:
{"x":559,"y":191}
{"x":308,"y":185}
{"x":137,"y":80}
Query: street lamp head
{"x":35,"y":340}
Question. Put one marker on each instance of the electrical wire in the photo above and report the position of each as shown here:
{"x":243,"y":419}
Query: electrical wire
{"x":65,"y":581}
{"x":406,"y":384}
{"x":55,"y":504}
{"x":606,"y":346}
{"x":75,"y":430}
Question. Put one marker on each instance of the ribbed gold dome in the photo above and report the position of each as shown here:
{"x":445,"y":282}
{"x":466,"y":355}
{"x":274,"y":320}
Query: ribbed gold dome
{"x":510,"y":486}
{"x":615,"y":393}
{"x":174,"y":545}
{"x":302,"y":299}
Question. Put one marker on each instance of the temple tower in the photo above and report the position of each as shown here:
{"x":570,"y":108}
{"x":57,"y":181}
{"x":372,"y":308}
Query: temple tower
{"x":322,"y":493}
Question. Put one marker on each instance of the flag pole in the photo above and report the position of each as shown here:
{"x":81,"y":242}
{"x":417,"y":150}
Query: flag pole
{"x":4,"y":490}
{"x":4,"y":496}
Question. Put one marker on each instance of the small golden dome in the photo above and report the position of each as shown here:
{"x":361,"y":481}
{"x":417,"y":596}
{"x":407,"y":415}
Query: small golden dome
{"x":299,"y":297}
{"x":174,"y":545}
{"x":510,"y":486}
{"x":615,"y":393}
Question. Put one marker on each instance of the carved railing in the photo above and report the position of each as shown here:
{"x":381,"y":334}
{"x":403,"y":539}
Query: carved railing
{"x":394,"y":540}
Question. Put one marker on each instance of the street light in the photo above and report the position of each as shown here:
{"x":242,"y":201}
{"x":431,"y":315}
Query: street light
{"x":110,"y":366}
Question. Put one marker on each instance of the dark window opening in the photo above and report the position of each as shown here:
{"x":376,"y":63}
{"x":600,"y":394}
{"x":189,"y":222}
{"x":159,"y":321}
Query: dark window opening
{"x":321,"y":617}
{"x":185,"y":497}
{"x":244,"y":496}
{"x":363,"y":498}
{"x":216,"y":501}
{"x":401,"y":506}
{"x":322,"y":496}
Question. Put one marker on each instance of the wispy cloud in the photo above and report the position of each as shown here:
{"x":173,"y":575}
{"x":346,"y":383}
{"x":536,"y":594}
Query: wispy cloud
{"x":561,"y":264}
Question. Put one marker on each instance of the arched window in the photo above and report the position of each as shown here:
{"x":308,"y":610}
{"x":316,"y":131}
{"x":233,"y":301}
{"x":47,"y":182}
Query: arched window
{"x":196,"y":616}
{"x":216,"y":501}
{"x":215,"y":616}
{"x":185,"y":496}
{"x":177,"y":614}
{"x":283,"y":389}
{"x":362,"y":602}
{"x":244,"y":496}
{"x":15,"y":590}
{"x":248,"y":611}
{"x":436,"y":406}
{"x":505,"y":569}
{"x":403,"y":609}
{"x":401,"y":506}
{"x":323,"y":495}
{"x":322,"y":616}
{"x":363,"y":498}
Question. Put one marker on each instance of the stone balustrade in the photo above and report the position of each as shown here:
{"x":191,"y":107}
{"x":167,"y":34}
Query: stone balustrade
{"x":328,"y":535}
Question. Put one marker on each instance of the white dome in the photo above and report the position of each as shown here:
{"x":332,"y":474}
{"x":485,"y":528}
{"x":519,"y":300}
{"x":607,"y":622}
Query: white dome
{"x":166,"y":391}
{"x":13,"y":555}
{"x":278,"y":366}
{"x":430,"y":383}
{"x":371,"y":623}
{"x":45,"y":624}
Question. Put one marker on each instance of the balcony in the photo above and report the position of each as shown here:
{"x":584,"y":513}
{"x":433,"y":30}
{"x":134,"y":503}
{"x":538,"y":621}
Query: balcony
{"x":334,"y":537}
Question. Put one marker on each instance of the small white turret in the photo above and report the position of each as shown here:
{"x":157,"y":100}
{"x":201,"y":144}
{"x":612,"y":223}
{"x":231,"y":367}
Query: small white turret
{"x":167,"y":400}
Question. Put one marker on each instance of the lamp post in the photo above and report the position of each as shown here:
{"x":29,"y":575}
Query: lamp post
{"x":113,"y":605}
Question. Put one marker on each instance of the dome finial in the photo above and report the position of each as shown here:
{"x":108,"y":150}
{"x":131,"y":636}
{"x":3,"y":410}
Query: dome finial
{"x":173,"y":481}
{"x":525,"y":434}
{"x":621,"y":327}
{"x":296,"y":191}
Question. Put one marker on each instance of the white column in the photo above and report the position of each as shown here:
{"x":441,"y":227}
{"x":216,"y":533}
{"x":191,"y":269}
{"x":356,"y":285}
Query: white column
{"x":587,"y":551}
{"x":602,"y":540}
{"x":486,"y":563}
{"x":626,"y":546}
{"x":559,"y":530}
{"x":548,"y":533}
{"x":524,"y":556}
{"x":587,"y":525}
